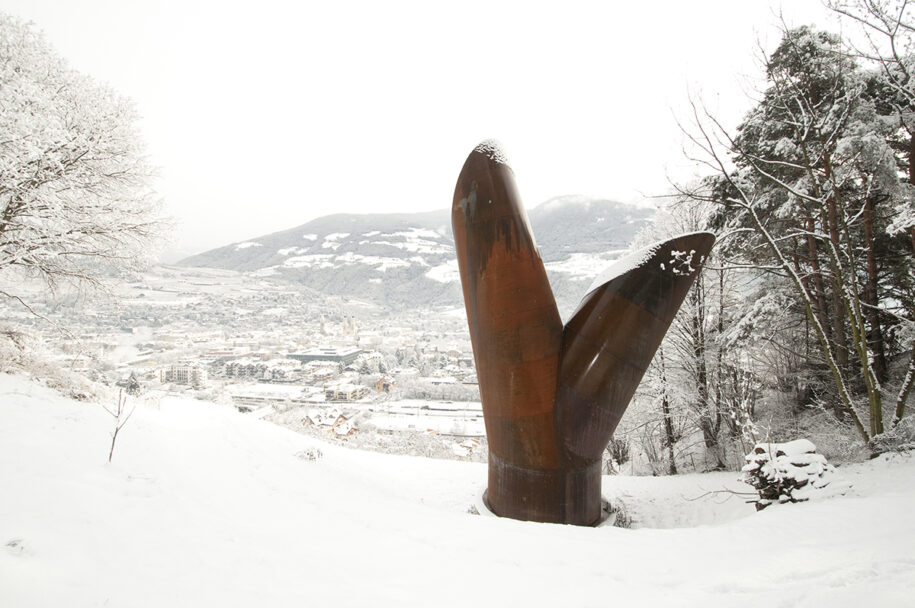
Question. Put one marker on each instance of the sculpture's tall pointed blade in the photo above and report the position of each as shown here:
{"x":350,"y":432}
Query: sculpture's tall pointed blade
{"x":514,"y":324}
{"x":610,"y":340}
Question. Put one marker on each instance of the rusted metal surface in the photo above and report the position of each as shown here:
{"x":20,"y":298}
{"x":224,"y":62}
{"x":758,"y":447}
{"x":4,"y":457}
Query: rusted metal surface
{"x":610,"y":340}
{"x":552,"y":396}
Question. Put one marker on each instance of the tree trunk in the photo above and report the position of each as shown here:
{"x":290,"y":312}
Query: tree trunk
{"x":912,"y":165}
{"x":709,"y":424}
{"x":875,"y":335}
{"x":836,"y":306}
{"x":905,"y":389}
{"x":668,"y":420}
{"x":819,"y":291}
{"x":719,"y":351}
{"x":909,"y":378}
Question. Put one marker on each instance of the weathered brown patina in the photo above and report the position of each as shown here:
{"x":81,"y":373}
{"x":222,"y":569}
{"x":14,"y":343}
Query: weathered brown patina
{"x":552,"y":395}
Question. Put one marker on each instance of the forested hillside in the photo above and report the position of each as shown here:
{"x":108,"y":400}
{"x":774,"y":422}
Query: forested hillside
{"x":802,"y":322}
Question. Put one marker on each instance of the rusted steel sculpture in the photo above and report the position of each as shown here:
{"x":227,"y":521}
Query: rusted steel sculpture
{"x":553,"y":395}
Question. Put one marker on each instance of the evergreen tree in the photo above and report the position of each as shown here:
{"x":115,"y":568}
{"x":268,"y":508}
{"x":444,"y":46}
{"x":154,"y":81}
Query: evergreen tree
{"x":807,"y":183}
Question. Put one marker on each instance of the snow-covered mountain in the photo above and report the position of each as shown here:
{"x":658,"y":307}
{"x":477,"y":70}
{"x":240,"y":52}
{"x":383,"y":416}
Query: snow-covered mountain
{"x":407,"y":260}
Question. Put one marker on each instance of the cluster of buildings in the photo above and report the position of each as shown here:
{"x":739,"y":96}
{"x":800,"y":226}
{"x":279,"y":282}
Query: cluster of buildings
{"x":260,"y":346}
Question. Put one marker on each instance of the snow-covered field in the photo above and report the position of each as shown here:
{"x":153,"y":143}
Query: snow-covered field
{"x":203,"y":506}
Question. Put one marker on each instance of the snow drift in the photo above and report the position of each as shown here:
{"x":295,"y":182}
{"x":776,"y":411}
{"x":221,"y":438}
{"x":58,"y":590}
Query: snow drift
{"x":203,"y":506}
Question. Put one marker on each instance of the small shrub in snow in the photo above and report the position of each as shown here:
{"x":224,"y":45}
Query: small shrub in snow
{"x":120,"y":416}
{"x":22,"y":352}
{"x":615,"y":514}
{"x":616,"y":454}
{"x":310,"y":454}
{"x":15,"y":546}
{"x":789,"y":472}
{"x":897,"y":439}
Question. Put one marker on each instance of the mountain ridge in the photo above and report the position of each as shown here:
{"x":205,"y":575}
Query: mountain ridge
{"x":406,"y":260}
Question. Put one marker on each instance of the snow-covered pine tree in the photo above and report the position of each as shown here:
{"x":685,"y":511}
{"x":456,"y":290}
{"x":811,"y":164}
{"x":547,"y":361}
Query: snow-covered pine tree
{"x":888,"y":45}
{"x":805,"y":182}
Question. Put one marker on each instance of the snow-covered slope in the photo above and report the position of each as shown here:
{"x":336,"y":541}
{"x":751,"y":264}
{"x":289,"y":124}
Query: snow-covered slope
{"x":204,"y":506}
{"x":389,"y":258}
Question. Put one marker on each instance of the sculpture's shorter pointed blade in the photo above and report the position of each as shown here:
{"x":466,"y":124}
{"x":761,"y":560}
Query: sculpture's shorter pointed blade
{"x":610,"y":340}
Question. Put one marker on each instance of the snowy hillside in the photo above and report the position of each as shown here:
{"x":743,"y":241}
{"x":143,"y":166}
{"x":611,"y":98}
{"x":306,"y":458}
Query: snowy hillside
{"x":203,"y":506}
{"x":408,"y":261}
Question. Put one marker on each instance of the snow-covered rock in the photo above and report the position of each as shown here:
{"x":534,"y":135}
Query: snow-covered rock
{"x":791,"y":472}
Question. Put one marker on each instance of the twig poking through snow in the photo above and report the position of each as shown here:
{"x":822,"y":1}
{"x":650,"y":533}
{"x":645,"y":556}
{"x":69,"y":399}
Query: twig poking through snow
{"x":119,"y":423}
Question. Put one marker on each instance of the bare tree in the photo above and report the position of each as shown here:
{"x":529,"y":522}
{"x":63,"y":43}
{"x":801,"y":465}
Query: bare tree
{"x":120,"y":415}
{"x":75,"y":196}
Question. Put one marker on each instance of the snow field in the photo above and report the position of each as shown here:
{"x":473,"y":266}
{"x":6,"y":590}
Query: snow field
{"x":205,"y":506}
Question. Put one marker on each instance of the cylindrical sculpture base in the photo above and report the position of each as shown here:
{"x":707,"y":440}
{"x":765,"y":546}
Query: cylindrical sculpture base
{"x":562,"y":496}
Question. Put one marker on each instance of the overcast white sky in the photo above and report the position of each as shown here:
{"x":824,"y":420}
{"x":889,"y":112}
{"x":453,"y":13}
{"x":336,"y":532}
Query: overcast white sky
{"x":264,"y":115}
